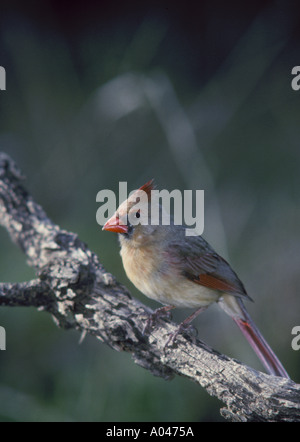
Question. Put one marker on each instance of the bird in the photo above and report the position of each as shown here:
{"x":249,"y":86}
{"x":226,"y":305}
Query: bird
{"x":181,"y":271}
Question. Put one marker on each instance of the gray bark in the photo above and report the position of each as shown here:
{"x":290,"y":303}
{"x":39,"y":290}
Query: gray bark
{"x":72,"y":285}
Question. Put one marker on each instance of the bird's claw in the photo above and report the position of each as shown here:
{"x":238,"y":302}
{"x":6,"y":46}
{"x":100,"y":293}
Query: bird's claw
{"x":183,"y":328}
{"x":162,"y":312}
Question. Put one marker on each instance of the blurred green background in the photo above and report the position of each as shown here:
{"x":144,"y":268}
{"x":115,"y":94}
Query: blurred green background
{"x":197,"y":97}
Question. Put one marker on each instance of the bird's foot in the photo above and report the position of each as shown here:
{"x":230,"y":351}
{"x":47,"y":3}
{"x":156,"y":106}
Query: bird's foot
{"x":162,"y":312}
{"x":183,"y":328}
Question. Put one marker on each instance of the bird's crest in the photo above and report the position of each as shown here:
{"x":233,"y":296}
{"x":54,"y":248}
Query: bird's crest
{"x":148,"y":187}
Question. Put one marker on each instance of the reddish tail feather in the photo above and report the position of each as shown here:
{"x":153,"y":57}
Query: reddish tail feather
{"x":260,"y":346}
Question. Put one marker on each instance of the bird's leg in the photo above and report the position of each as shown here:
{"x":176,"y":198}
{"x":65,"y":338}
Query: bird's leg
{"x":185,"y":325}
{"x":160,"y":312}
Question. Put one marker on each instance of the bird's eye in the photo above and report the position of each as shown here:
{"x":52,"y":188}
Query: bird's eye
{"x":138,"y":214}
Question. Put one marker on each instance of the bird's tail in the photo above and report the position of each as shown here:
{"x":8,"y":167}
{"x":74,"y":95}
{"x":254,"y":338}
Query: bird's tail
{"x":235,"y":308}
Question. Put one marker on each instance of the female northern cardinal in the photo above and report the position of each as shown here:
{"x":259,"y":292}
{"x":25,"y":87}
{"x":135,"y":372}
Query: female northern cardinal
{"x":183,"y":271}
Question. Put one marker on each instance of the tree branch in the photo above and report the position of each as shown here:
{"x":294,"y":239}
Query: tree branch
{"x":25,"y":294}
{"x":74,"y":287}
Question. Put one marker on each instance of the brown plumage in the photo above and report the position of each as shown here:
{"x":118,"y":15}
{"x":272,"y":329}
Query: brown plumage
{"x":182,"y":271}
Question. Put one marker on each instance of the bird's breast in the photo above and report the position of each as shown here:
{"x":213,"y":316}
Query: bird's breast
{"x":157,"y":277}
{"x":142,"y":266}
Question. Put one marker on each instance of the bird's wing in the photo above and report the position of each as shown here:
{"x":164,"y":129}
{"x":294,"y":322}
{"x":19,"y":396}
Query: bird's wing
{"x":202,"y":265}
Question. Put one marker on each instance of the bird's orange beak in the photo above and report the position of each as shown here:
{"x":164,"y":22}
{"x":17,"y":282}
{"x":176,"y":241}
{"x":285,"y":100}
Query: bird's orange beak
{"x":113,"y":225}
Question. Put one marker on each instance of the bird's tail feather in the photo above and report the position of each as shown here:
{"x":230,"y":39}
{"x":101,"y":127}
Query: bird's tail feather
{"x":253,"y":336}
